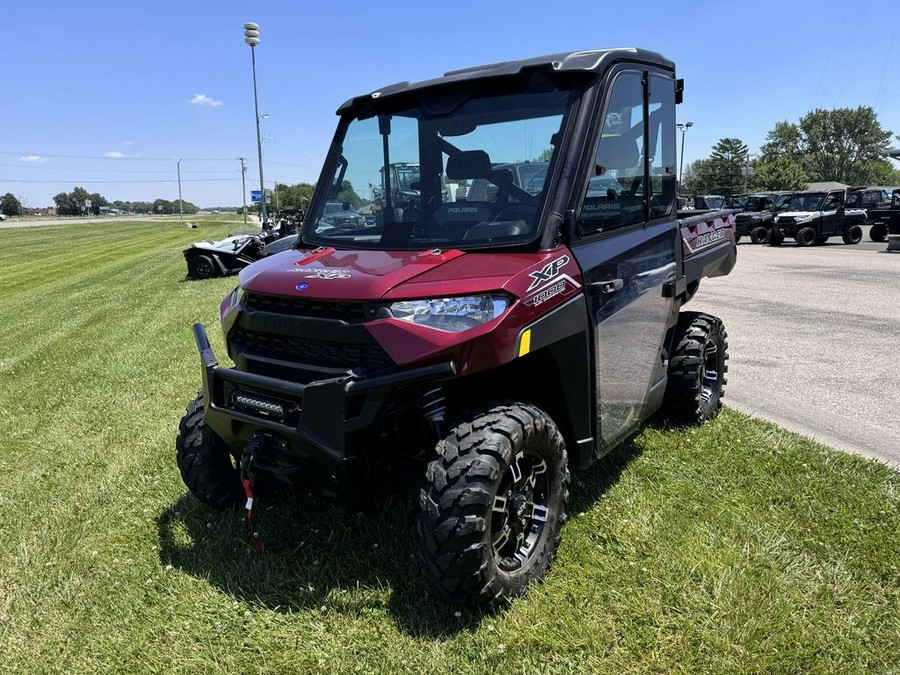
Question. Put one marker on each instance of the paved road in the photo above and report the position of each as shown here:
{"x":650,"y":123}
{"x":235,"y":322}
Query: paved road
{"x":15,"y":222}
{"x":814,"y":339}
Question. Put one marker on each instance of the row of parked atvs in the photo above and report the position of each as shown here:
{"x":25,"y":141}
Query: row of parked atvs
{"x":813,"y":216}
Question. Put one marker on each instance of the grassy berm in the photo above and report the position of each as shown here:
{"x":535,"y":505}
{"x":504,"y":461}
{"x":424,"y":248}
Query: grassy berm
{"x":735,"y":547}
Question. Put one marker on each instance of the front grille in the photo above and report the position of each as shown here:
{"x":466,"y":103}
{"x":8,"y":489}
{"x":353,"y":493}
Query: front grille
{"x":369,"y":356}
{"x":350,"y":312}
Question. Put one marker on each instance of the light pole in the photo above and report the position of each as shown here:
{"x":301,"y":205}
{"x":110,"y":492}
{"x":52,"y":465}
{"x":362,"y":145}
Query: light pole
{"x":244,"y":188}
{"x":180,"y":205}
{"x":251,"y":37}
{"x":683,"y":129}
{"x":747,"y":169}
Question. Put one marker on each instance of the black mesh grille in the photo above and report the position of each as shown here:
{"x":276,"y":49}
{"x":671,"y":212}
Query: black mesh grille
{"x":350,"y":312}
{"x":371,"y":357}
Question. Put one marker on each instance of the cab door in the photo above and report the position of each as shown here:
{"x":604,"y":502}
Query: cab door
{"x":626,"y":243}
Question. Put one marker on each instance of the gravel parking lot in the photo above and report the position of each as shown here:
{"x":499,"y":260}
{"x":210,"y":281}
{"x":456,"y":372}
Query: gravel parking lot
{"x":814,"y":339}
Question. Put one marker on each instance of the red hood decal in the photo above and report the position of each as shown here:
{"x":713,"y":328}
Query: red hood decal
{"x":339,"y":275}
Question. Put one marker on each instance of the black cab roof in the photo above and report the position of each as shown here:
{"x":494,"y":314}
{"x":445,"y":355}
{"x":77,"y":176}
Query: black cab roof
{"x":588,"y":61}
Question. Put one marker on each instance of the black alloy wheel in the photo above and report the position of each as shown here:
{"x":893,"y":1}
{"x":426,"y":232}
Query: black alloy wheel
{"x":493,"y":505}
{"x":698,"y":369}
{"x":201,"y":267}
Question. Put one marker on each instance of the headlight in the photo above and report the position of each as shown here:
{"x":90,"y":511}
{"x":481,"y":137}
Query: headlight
{"x":451,"y":314}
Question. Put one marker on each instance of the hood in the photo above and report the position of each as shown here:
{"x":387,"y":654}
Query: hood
{"x":340,"y":275}
{"x":798,"y":214}
{"x":330,"y":274}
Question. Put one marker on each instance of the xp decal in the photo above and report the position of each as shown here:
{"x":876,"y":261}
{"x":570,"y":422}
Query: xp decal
{"x":321,"y":273}
{"x":547,"y":272}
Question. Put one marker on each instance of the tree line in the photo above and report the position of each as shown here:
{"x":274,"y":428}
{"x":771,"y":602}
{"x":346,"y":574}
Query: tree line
{"x":844,"y":145}
{"x":76,"y":203}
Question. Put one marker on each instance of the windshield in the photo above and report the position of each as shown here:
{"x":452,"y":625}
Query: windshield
{"x":755,"y":203}
{"x":456,"y":171}
{"x":806,"y":202}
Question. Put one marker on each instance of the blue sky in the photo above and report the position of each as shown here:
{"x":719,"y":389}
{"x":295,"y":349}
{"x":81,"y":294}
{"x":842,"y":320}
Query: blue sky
{"x":108,"y":94}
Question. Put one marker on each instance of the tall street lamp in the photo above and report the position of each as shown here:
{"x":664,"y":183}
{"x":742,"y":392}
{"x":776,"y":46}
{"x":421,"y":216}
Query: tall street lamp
{"x":683,"y":129}
{"x":251,"y":37}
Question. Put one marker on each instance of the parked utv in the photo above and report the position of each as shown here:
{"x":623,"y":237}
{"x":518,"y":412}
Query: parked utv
{"x":470,"y":357}
{"x":882,"y":210}
{"x":813,"y":217}
{"x":759,"y":211}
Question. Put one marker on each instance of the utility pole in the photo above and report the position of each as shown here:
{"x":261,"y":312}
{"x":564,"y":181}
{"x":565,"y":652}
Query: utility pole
{"x":180,"y":203}
{"x":244,"y":188}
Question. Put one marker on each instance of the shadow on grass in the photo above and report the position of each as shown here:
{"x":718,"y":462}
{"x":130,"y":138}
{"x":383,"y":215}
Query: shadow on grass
{"x":318,"y":554}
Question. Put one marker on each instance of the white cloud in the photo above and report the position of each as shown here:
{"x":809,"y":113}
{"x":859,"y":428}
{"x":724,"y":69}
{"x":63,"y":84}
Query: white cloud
{"x":203,"y":99}
{"x":32,"y":158}
{"x":114,"y":154}
{"x":128,"y":142}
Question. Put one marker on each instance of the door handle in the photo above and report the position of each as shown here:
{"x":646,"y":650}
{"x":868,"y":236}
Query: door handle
{"x":609,"y":286}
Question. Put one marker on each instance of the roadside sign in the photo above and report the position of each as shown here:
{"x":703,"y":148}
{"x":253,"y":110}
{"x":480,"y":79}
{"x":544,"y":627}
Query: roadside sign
{"x":255,"y":196}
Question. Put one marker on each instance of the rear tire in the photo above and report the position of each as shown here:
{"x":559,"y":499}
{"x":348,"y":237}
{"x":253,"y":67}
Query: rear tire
{"x":806,"y":236}
{"x":758,"y":235}
{"x":852,"y":234}
{"x":201,"y":267}
{"x":205,"y":461}
{"x":774,"y":237}
{"x":698,"y":369}
{"x":493,"y":505}
{"x":878,"y":232}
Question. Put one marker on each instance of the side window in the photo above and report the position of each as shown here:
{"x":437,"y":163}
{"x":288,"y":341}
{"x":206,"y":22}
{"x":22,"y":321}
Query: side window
{"x":661,"y":124}
{"x":615,"y":191}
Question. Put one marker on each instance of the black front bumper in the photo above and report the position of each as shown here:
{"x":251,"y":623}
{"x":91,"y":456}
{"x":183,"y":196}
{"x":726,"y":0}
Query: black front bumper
{"x":306,"y":425}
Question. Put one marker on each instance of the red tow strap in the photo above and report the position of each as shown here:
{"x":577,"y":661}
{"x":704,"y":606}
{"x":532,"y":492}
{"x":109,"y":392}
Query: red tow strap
{"x":254,"y":535}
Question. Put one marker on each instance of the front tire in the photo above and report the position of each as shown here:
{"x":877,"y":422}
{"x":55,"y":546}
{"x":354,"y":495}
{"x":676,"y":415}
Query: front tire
{"x":758,"y":234}
{"x":493,"y":505}
{"x":698,"y":369}
{"x":205,"y":461}
{"x":806,"y":236}
{"x":852,"y":234}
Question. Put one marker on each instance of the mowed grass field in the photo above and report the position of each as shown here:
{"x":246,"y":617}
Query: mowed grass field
{"x":735,"y":547}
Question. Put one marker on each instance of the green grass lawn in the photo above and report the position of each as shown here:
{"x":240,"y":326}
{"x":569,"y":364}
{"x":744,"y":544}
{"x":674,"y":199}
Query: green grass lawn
{"x":735,"y":547}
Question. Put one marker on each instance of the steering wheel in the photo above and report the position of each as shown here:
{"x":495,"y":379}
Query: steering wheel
{"x":516,"y":212}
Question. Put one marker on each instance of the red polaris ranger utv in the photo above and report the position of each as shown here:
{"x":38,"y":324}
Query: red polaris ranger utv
{"x":468,"y":353}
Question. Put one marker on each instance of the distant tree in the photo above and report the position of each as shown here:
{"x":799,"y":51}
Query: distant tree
{"x":97,"y":200}
{"x":728,"y":162}
{"x":9,"y":205}
{"x":783,"y":141}
{"x":78,"y":197}
{"x":293,"y":197}
{"x":720,"y":173}
{"x":698,"y":177}
{"x":64,"y":205}
{"x":844,"y":144}
{"x":348,"y":194}
{"x":778,"y":173}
